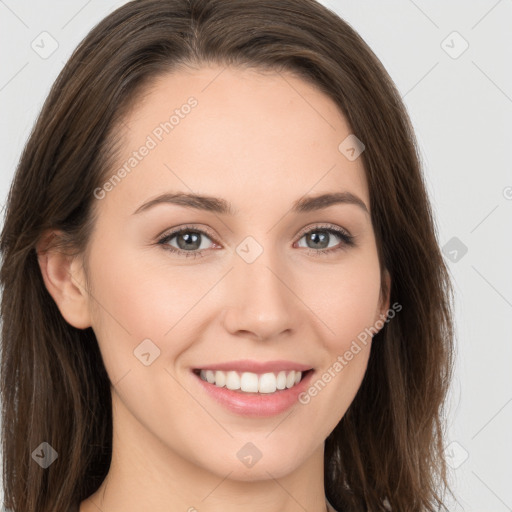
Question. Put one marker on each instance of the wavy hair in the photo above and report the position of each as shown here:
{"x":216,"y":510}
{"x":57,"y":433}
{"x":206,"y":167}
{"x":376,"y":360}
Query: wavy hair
{"x":387,"y":452}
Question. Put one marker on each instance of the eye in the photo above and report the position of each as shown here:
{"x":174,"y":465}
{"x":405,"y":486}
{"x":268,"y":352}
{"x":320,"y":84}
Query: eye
{"x":320,"y":236}
{"x":189,"y":240}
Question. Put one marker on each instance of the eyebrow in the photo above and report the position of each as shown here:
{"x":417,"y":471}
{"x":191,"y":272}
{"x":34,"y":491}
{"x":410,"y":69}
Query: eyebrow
{"x":223,"y":207}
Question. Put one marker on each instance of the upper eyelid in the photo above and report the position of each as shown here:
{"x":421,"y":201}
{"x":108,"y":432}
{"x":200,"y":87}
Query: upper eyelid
{"x":326,"y":225}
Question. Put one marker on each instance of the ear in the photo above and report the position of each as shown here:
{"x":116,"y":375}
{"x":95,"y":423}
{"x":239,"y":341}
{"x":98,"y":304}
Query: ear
{"x":63,"y":276}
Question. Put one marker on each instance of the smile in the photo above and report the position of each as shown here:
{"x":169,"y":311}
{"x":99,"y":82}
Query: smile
{"x":254,"y":394}
{"x":249,"y":382}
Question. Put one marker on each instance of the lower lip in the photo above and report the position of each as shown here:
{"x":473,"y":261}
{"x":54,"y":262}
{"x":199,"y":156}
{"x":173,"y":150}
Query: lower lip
{"x":259,"y":405}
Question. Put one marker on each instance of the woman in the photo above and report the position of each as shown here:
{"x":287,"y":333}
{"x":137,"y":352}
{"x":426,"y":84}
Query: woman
{"x":221,"y":280}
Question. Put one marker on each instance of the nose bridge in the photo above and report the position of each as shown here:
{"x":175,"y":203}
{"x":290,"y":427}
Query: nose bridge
{"x":262,"y":301}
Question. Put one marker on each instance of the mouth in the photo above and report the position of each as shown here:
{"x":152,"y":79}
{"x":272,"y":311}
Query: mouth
{"x":250,"y":383}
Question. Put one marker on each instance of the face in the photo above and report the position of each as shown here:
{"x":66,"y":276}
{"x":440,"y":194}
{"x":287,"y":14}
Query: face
{"x":267,"y":282}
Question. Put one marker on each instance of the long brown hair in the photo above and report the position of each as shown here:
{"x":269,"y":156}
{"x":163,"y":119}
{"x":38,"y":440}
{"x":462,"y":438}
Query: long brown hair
{"x":387,"y":451}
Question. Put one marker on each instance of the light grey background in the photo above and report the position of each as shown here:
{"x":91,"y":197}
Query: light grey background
{"x":461,"y":107}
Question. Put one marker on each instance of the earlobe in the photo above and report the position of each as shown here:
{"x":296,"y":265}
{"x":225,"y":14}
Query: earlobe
{"x":64,"y":279}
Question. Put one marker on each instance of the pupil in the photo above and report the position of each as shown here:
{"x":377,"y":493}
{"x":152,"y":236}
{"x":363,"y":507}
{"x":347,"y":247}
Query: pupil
{"x":191,"y":241}
{"x":315,"y":238}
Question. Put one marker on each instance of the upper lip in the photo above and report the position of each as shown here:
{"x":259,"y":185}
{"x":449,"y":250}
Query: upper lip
{"x":246,"y":365}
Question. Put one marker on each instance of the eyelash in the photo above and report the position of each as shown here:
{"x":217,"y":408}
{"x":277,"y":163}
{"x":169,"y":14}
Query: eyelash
{"x":347,"y":240}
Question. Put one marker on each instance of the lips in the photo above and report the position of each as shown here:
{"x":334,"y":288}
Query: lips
{"x":268,"y":400}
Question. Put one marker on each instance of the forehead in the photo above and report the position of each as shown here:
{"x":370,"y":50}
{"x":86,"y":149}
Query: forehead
{"x":260,"y":138}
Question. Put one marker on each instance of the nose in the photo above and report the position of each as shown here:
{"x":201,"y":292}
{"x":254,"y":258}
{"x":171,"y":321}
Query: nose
{"x":261,"y":302}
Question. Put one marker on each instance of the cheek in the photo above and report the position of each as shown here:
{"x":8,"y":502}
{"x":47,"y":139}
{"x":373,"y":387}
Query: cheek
{"x":140,"y":295}
{"x":347,"y":305}
{"x":131,"y":303}
{"x":345,"y":298}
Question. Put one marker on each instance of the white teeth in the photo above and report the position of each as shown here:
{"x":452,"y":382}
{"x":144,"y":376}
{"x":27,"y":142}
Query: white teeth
{"x":249,"y":382}
{"x":268,"y":383}
{"x":281,"y":380}
{"x":220,"y":379}
{"x":232,"y":381}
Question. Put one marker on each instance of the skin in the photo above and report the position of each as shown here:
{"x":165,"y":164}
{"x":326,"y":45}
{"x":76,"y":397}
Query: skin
{"x":261,"y":141}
